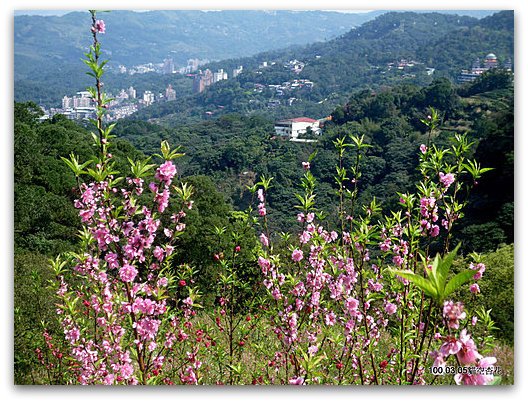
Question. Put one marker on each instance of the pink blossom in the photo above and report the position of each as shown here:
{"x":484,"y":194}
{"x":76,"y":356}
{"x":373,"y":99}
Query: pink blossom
{"x":297,"y":255}
{"x":128,"y":273}
{"x":162,"y":199}
{"x":158,"y":253}
{"x":276,"y":294}
{"x":262,"y":209}
{"x":453,"y":313}
{"x":423,"y":148}
{"x":390,"y":308}
{"x":450,"y":346}
{"x":438,"y":358}
{"x":112,"y":260}
{"x":446,"y":179}
{"x":72,"y":335}
{"x":153,"y":186}
{"x":99,"y":27}
{"x":260,"y":195}
{"x":296,"y":381}
{"x":264,"y":240}
{"x":474,"y":288}
{"x":306,"y":165}
{"x":108,"y":379}
{"x":305,"y":237}
{"x":330,"y":319}
{"x":397,"y":260}
{"x":468,"y":351}
{"x":435,"y":230}
{"x":352,"y":305}
{"x":264,"y":264}
{"x":189,"y":377}
{"x":480,"y":268}
{"x":152,"y":346}
{"x":385,"y":245}
{"x":147,"y":328}
{"x":166,"y":172}
{"x":376,"y":287}
{"x":482,"y":376}
{"x":312,"y":350}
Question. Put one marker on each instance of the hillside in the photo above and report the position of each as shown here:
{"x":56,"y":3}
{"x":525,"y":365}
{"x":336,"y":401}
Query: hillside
{"x":43,"y":42}
{"x":394,"y":48}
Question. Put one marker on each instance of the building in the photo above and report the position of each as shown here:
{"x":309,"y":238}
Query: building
{"x":83,"y":99}
{"x":168,"y":66}
{"x":490,"y":61}
{"x":170,"y":93}
{"x":202,"y":80}
{"x":477,"y":69}
{"x":508,"y":64}
{"x":219,"y":76}
{"x":67,"y":102}
{"x":148,"y":98}
{"x":122,"y":96}
{"x":237,"y":71}
{"x":132,"y":93}
{"x":293,"y":128}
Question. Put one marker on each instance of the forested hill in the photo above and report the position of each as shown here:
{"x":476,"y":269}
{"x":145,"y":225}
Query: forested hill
{"x":363,"y":58}
{"x":142,"y":37}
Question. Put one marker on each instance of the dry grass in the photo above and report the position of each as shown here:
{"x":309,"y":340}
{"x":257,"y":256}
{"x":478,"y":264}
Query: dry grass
{"x":505,"y":360}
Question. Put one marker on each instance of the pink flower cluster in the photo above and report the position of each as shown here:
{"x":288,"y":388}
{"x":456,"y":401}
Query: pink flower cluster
{"x":99,"y":27}
{"x":325,"y":294}
{"x":127,"y":289}
{"x":446,"y":179}
{"x":480,"y":369}
{"x":429,"y":212}
{"x":262,"y":204}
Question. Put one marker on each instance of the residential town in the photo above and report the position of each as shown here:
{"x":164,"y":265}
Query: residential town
{"x":127,"y":101}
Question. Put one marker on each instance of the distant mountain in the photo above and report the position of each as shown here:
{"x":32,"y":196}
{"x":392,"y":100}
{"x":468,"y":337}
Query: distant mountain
{"x":468,"y":13}
{"x":360,"y":58}
{"x":44,"y":42}
{"x":394,"y":48}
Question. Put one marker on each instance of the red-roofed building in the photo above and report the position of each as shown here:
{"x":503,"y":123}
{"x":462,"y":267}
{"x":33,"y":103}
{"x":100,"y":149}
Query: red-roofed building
{"x":292,"y":128}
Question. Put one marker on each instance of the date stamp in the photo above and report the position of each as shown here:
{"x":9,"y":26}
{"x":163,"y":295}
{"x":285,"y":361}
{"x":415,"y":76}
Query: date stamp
{"x":465,"y":370}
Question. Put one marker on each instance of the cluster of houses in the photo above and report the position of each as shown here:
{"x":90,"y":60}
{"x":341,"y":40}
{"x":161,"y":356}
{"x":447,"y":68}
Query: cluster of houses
{"x":478,"y":68}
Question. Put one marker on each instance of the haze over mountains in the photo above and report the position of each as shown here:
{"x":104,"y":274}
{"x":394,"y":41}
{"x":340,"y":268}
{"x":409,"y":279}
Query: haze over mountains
{"x":48,"y":49}
{"x":134,"y":38}
{"x":394,"y":48}
{"x":43,"y":40}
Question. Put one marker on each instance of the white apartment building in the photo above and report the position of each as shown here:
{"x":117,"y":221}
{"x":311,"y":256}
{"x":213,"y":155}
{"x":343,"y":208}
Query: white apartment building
{"x":292,"y":128}
{"x":148,"y":98}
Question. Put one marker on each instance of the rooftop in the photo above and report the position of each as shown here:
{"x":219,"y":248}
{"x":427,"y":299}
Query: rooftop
{"x":299,"y":120}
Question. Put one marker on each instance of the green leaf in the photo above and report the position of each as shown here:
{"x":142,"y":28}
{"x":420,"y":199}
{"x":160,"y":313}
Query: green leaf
{"x":424,"y":284}
{"x":457,"y":281}
{"x":433,"y":275}
{"x":496,"y":380}
{"x":444,"y":265}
